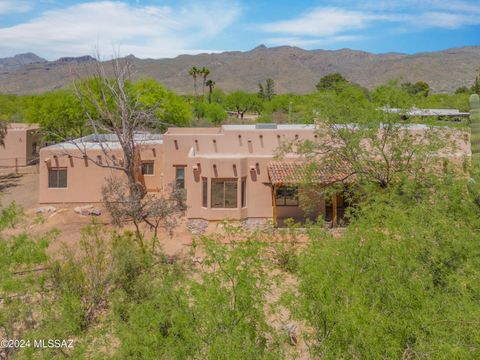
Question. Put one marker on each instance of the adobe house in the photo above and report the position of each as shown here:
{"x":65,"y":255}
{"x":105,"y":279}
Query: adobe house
{"x":228,"y":172}
{"x":22,"y":144}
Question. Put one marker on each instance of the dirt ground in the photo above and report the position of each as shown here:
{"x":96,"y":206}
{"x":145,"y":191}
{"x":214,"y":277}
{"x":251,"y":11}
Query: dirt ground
{"x":23,"y":189}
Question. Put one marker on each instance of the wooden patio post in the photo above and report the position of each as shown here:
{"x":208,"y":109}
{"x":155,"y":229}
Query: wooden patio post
{"x":274,"y":200}
{"x":334,"y":210}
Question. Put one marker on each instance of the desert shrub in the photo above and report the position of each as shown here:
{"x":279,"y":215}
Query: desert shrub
{"x":400,"y":283}
{"x":213,"y":312}
{"x":10,"y":215}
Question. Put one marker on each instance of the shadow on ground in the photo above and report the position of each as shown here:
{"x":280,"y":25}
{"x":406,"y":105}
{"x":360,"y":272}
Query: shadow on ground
{"x":9,"y":180}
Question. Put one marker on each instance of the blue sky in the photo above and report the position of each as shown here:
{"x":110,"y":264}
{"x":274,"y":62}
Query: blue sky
{"x":156,"y":29}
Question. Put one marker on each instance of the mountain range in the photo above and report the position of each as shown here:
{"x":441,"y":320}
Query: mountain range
{"x":293,"y":69}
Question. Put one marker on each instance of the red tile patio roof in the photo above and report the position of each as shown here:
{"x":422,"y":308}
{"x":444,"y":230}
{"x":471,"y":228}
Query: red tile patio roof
{"x":289,"y":173}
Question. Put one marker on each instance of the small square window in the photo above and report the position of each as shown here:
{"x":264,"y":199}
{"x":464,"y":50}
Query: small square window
{"x":223,"y":193}
{"x":147,"y":168}
{"x":57,"y":178}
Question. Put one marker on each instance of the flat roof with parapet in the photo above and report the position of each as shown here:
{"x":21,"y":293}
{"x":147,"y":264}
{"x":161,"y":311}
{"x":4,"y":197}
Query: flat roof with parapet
{"x":109,"y":141}
{"x":22,"y":126}
{"x":239,"y":127}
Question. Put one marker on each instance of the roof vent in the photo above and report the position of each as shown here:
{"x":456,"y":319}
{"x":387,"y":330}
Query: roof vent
{"x":268,"y":126}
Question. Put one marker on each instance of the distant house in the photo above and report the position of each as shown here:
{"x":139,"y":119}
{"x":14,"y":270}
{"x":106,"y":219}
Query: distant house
{"x":21,"y":145}
{"x":228,"y":172}
{"x":441,"y":114}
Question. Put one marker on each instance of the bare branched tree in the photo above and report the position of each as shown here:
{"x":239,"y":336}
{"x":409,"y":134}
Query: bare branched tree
{"x":118,"y":122}
{"x":156,"y":210}
{"x":112,"y":108}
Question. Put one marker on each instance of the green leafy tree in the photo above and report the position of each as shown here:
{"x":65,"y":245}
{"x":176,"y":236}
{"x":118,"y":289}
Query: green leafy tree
{"x":267,"y":91}
{"x":12,"y":107}
{"x":419,"y":88}
{"x":332,"y":81}
{"x":59,"y":113}
{"x":242,"y":102}
{"x":392,"y":95}
{"x":462,"y":90}
{"x":214,"y":113}
{"x":170,"y":109}
{"x":218,"y":96}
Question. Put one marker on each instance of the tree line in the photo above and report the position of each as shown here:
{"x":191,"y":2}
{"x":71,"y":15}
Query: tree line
{"x":210,"y":105}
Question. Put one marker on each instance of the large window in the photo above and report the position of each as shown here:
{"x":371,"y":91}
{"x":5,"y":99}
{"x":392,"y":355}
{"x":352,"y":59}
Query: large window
{"x":57,"y":178}
{"x":147,"y":168}
{"x":204,"y":192}
{"x":287,"y":196}
{"x":224,"y":193}
{"x":244,"y":192}
{"x":180,"y":177}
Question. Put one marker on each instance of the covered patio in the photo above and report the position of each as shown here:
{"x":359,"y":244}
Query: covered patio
{"x":287,"y":179}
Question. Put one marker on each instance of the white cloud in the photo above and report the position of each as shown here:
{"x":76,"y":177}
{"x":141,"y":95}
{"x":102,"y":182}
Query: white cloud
{"x":320,"y":22}
{"x":146,"y":31}
{"x":437,"y":19}
{"x":353,"y":20}
{"x":310,"y":42}
{"x":14,"y":6}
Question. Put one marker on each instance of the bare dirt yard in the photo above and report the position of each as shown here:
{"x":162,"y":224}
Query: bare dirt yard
{"x":23,"y":189}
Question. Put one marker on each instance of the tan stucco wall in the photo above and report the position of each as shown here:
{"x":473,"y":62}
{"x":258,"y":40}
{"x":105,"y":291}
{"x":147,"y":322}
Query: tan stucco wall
{"x":85,"y":178}
{"x":207,"y":153}
{"x":228,"y":154}
{"x":18,"y":145}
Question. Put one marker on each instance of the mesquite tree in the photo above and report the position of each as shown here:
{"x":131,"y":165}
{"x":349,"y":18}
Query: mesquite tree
{"x":115,"y":113}
{"x":111,"y":108}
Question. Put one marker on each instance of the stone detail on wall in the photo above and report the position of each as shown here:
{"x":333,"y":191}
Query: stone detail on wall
{"x":197,"y":226}
{"x":258,"y":224}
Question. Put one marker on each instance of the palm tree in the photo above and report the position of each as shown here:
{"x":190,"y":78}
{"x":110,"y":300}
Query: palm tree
{"x":211,"y":84}
{"x":193,"y":72}
{"x":204,"y":72}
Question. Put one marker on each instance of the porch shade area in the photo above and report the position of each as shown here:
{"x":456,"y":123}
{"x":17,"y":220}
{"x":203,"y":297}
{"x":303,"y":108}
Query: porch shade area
{"x":296,"y":173}
{"x":293,"y":174}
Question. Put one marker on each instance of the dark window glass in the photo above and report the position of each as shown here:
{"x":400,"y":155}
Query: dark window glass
{"x":224,"y":193}
{"x":244,"y":192}
{"x":204,"y":192}
{"x":147,"y":168}
{"x":180,"y":177}
{"x":34,"y":148}
{"x":231,"y":194}
{"x":57,"y":178}
{"x":287,"y":196}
